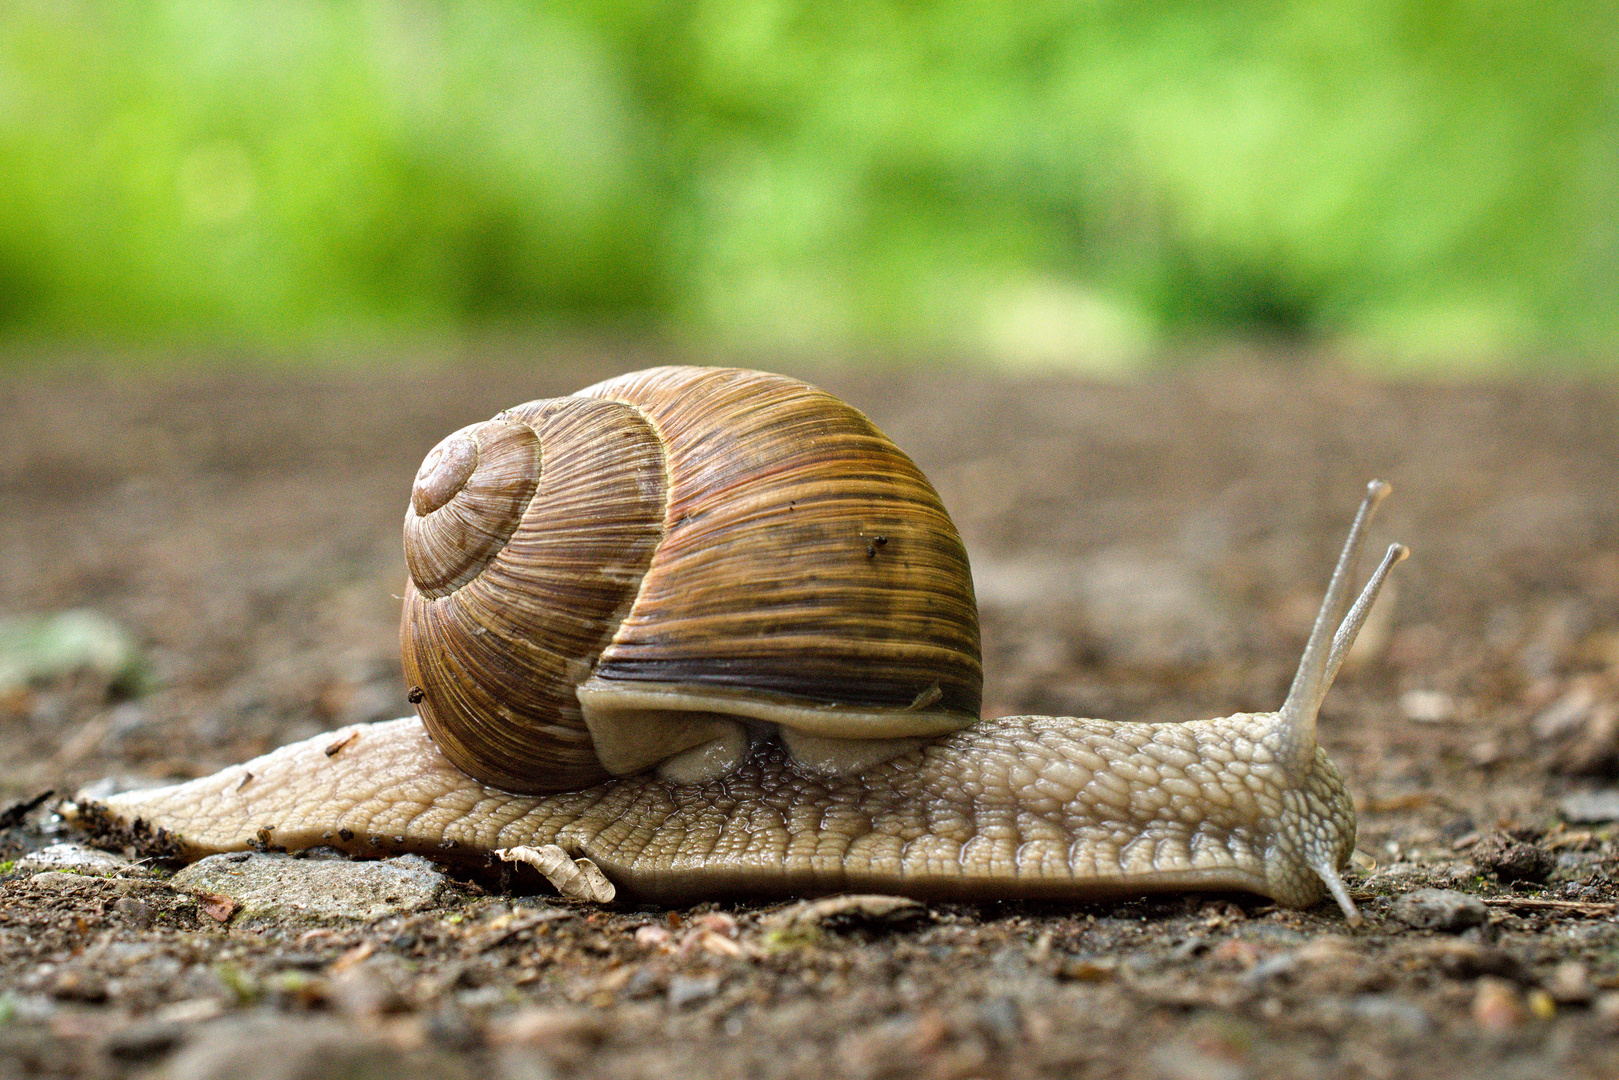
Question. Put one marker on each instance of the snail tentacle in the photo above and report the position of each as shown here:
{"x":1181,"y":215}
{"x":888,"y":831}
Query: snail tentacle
{"x":1350,"y":627}
{"x":1316,"y":669}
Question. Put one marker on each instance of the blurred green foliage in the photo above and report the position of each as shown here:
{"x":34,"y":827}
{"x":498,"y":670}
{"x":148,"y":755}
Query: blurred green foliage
{"x":1036,"y":181}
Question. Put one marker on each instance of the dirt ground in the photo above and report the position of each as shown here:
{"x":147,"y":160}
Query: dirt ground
{"x":1146,"y":549}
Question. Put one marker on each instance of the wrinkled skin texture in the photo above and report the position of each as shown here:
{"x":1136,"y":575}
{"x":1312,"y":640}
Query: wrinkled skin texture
{"x":1034,"y":807}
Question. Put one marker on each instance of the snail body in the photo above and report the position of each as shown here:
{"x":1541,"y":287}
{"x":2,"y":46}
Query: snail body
{"x":761,"y":784}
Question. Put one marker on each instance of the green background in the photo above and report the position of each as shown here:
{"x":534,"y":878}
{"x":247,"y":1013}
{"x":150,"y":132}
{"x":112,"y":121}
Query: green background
{"x":1086,"y":183}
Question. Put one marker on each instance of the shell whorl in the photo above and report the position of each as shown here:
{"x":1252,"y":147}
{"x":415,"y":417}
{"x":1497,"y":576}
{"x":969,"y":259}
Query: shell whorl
{"x":469,"y":496}
{"x":495,"y":659}
{"x":710,"y":540}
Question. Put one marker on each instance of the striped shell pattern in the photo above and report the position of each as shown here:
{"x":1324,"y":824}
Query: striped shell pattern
{"x":671,"y":565}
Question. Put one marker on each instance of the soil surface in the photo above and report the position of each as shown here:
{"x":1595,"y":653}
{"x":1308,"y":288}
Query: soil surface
{"x":1152,"y":549}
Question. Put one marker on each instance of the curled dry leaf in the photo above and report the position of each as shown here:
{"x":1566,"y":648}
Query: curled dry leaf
{"x":577,"y":879}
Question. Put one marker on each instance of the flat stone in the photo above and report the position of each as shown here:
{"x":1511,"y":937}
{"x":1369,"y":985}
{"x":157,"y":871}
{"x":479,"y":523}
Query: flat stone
{"x":851,"y":910}
{"x":1590,"y":807}
{"x":76,"y":859}
{"x":1441,"y":909}
{"x":65,"y":881}
{"x":274,"y":887}
{"x":272,"y":1047}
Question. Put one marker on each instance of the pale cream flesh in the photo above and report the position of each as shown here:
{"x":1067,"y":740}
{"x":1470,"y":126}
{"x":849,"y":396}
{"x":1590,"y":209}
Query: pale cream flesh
{"x":1016,"y":807}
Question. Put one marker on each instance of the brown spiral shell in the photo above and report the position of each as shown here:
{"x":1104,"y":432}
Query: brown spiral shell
{"x":716,"y":542}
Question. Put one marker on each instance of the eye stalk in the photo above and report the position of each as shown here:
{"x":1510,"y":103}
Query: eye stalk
{"x":1336,"y":625}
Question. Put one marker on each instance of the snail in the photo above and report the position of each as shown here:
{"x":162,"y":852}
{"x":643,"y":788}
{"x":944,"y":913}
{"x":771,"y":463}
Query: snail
{"x":708,"y":632}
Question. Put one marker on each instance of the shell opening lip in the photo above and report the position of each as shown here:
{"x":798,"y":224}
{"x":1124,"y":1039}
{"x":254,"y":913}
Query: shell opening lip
{"x":600,"y":697}
{"x":444,"y":472}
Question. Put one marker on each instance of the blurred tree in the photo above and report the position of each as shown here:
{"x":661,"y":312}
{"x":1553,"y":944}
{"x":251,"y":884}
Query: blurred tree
{"x":1053,"y":182}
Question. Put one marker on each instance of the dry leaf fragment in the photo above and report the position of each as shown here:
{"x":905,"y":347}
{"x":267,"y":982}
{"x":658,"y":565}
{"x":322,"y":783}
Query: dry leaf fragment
{"x":217,"y":907}
{"x":577,"y":879}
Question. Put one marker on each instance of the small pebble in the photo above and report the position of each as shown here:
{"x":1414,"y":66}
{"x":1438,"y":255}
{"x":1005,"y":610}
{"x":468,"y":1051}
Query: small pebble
{"x":1569,"y":714}
{"x":1440,"y":909}
{"x":652,"y":936}
{"x":709,"y":941}
{"x":1606,"y":1007}
{"x":1270,"y":967}
{"x":644,"y":982}
{"x":686,"y":990}
{"x":1570,"y":983}
{"x":1428,"y":706}
{"x":1513,"y":860}
{"x":1497,"y":1005}
{"x":717,"y":922}
{"x":135,"y":912}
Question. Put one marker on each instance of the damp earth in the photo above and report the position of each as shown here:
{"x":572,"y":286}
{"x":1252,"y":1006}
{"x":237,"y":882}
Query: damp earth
{"x":1145,"y":549}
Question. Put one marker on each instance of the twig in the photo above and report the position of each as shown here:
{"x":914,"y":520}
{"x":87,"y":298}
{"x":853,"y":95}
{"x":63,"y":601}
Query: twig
{"x":13,"y":815}
{"x":1535,"y":903}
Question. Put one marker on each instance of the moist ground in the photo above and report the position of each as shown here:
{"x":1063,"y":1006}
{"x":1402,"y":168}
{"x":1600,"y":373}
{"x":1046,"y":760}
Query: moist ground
{"x":1146,"y":550}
